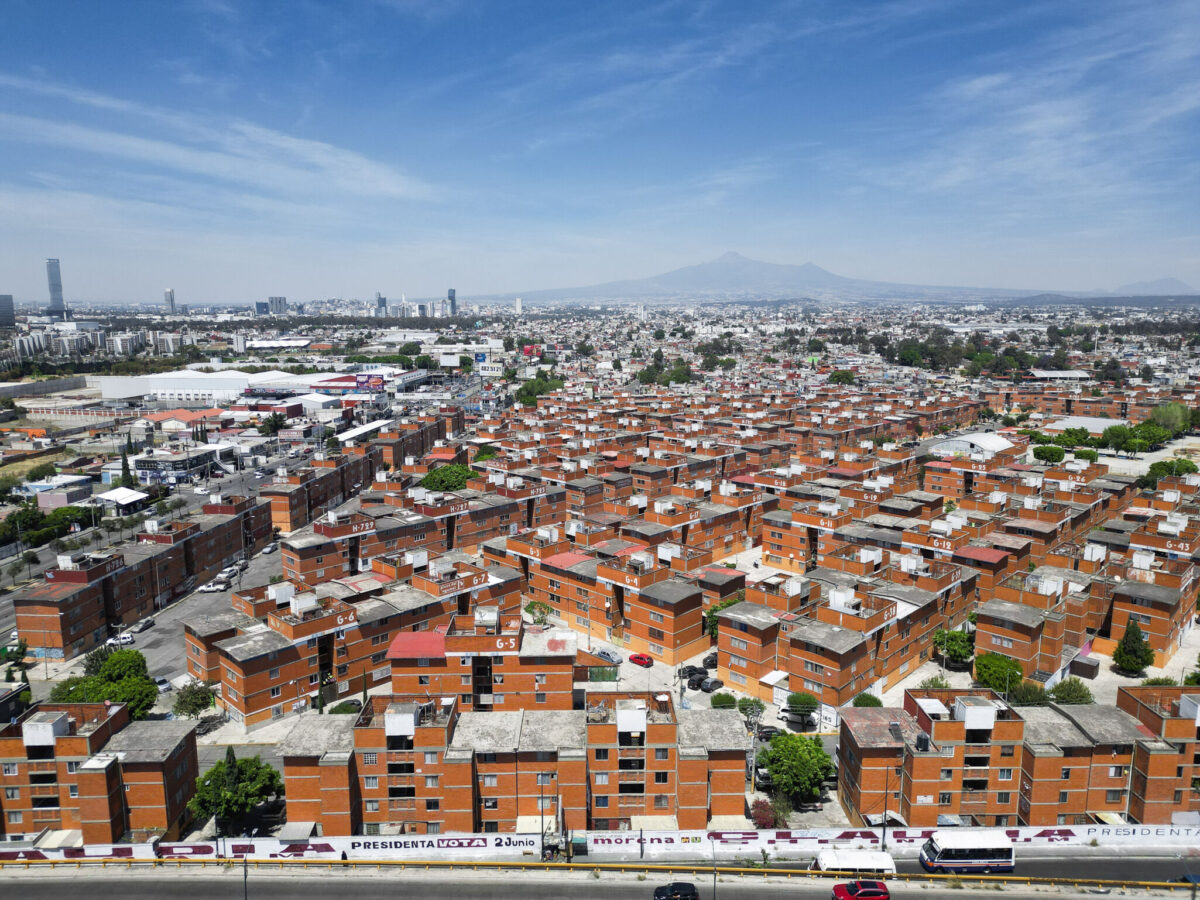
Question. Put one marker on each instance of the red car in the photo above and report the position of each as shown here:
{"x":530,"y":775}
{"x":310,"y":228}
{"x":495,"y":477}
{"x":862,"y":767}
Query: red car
{"x":861,"y":890}
{"x":641,"y":659}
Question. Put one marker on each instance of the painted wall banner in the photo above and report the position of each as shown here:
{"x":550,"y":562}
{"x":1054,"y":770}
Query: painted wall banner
{"x":801,"y":845}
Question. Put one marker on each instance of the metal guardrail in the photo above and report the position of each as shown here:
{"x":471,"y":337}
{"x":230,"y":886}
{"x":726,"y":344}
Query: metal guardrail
{"x":666,"y":869}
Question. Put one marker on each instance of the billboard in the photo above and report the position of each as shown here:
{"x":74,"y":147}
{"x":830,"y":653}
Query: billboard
{"x":368,"y":382}
{"x":480,"y":357}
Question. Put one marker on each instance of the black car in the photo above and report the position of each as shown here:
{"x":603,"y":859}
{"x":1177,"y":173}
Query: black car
{"x":677,"y":890}
{"x":766,"y":732}
{"x":708,"y":685}
{"x":695,"y":681}
{"x":710,"y":661}
{"x":688,"y":671}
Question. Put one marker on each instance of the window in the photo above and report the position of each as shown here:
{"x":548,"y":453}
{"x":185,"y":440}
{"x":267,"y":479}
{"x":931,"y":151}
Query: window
{"x":487,"y":757}
{"x":657,"y":618}
{"x":539,"y":697}
{"x":431,"y":756}
{"x":1066,"y":773}
{"x":816,"y":668}
{"x":423,"y":679}
{"x":601,"y":754}
{"x":814,"y":686}
{"x":466,"y":679}
{"x":735,"y":660}
{"x":273,"y":674}
{"x":370,"y":759}
{"x":370,"y":782}
{"x":1006,"y":774}
{"x":944,"y":798}
{"x":947,"y":774}
{"x":543,"y":778}
{"x":313,"y":679}
{"x":14,"y":818}
{"x":737,"y":678}
{"x":1114,"y":796}
{"x":491,"y":803}
{"x":434,"y":828}
{"x":1116,"y":772}
{"x":738,"y":644}
{"x":661,"y":753}
{"x":489,"y":780}
{"x":661,"y":777}
{"x":11,"y":768}
{"x":433,"y":805}
{"x":601,"y":802}
{"x":1007,"y":750}
{"x":371,"y":806}
{"x":1062,"y":796}
{"x":1003,"y":797}
{"x":431,"y":781}
{"x":601,"y":778}
{"x":545,"y":803}
{"x":11,"y":793}
{"x":275,"y":692}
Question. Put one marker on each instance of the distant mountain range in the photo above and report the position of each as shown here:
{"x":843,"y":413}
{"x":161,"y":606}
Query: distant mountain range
{"x":733,"y":276}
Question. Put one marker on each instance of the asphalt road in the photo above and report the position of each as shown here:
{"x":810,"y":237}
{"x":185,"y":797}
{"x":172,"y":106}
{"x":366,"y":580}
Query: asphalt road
{"x":486,"y":886}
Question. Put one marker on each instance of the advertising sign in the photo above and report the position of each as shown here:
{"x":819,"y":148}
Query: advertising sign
{"x":368,"y":382}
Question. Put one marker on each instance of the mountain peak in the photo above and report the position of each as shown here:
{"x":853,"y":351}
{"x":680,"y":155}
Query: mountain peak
{"x":731,"y":256}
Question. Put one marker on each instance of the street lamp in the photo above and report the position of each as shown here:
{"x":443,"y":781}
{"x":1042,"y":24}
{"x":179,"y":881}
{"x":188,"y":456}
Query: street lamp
{"x":543,"y":778}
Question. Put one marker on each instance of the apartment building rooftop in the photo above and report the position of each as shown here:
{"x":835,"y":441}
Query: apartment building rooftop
{"x":1047,"y":729}
{"x":1029,"y":616}
{"x":319,"y":736}
{"x":715,"y":729}
{"x":148,"y":741}
{"x":253,"y":643}
{"x":834,"y":638}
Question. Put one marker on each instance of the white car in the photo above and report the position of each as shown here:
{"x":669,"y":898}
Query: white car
{"x":229,"y":572}
{"x":199,"y":489}
{"x":270,"y":548}
{"x":215,"y":586}
{"x":120,"y":640}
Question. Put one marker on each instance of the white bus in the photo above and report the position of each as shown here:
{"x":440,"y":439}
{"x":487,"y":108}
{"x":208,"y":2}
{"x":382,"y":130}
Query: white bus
{"x":967,"y":851}
{"x":863,"y":862}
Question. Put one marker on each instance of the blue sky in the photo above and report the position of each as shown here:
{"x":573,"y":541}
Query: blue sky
{"x":235,"y":150}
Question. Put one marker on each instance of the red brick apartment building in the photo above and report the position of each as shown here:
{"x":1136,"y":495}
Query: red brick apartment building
{"x":88,"y":596}
{"x":299,"y":497}
{"x":414,"y":763}
{"x":969,"y":756}
{"x":86,"y":767}
{"x":286,"y":645}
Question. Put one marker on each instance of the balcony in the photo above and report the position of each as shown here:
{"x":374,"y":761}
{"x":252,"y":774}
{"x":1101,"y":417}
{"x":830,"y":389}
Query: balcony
{"x":632,"y":801}
{"x":637,"y":776}
{"x":43,"y":790}
{"x":45,"y":766}
{"x":402,"y":804}
{"x":632,"y":753}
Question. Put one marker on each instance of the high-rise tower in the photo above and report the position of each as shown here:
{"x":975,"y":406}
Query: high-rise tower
{"x":57,"y":309}
{"x":169,"y":299}
{"x":453,"y":302}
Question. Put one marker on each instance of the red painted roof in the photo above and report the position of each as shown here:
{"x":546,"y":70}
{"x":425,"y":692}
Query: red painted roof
{"x":982,"y":554}
{"x":842,"y":470}
{"x":743,"y":479}
{"x":417,"y":645}
{"x":565,"y":560}
{"x":938,"y":465}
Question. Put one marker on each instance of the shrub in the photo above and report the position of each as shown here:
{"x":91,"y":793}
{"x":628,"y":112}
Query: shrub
{"x":1160,"y":681}
{"x":723,"y":701}
{"x":762,"y":813}
{"x":1071,"y":691}
{"x":864,"y":699}
{"x":934,"y":683}
{"x":1049,"y":454}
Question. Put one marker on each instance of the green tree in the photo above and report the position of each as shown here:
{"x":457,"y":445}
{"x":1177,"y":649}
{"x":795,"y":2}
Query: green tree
{"x":1134,"y":653}
{"x":94,"y":660}
{"x":998,"y":672}
{"x":127,"y":479}
{"x":1049,"y":454}
{"x":956,"y":646}
{"x":447,"y":478}
{"x":122,"y":664}
{"x":934,"y":683}
{"x":711,"y":614}
{"x":797,"y":764}
{"x":723,"y":701}
{"x":750,"y":707}
{"x":192,"y":699}
{"x":272,"y":424}
{"x":1165,"y":468}
{"x":30,"y":559}
{"x":659,"y":334}
{"x":1071,"y":691}
{"x":232,"y":788}
{"x":803,"y":704}
{"x":486,"y":452}
{"x":1115,"y":437}
{"x":1027,"y":693}
{"x":841,"y":376}
{"x":120,"y":678}
{"x":538,"y":611}
{"x":865,"y":700}
{"x":332,"y":444}
{"x":1172,"y":416}
{"x":1088,"y":455}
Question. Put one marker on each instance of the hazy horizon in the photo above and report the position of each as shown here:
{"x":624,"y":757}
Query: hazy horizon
{"x":408,"y":146}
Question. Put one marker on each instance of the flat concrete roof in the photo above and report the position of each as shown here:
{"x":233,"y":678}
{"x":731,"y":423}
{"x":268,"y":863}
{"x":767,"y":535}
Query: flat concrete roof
{"x":318,"y":735}
{"x":148,"y":741}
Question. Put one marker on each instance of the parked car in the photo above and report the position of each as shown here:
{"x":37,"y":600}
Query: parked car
{"x":861,"y":890}
{"x":696,"y":680}
{"x":766,"y":732}
{"x":199,"y":489}
{"x":763,"y":780}
{"x":608,"y":656}
{"x":710,"y":661}
{"x":641,"y":659}
{"x":163,"y":685}
{"x":15,"y":635}
{"x":229,"y":572}
{"x":215,"y":586}
{"x":688,"y":671}
{"x":677,"y":890}
{"x":708,"y":685}
{"x":259,"y":473}
{"x":270,"y":548}
{"x":242,"y":565}
{"x":120,"y":640}
{"x":141,"y":626}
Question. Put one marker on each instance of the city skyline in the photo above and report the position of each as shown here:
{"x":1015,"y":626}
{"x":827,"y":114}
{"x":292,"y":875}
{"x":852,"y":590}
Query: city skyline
{"x":403,"y":146}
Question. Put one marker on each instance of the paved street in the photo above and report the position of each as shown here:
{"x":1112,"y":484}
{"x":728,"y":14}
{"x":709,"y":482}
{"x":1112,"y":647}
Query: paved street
{"x":368,"y":882}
